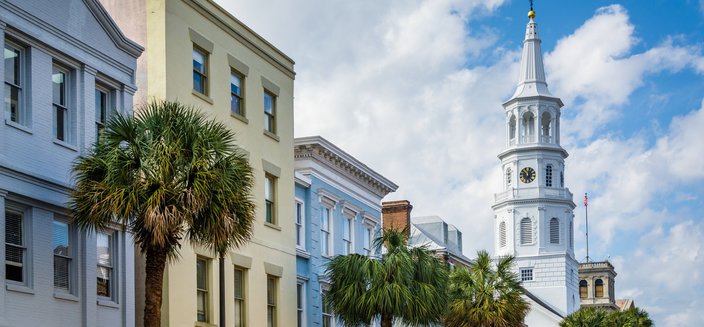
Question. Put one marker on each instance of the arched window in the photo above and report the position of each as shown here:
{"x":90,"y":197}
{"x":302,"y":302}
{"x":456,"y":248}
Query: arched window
{"x":502,"y":234}
{"x":548,"y":175}
{"x":599,"y":288}
{"x":562,"y":179}
{"x":582,"y":289}
{"x":554,"y":231}
{"x":571,"y":235}
{"x":512,"y":129}
{"x":528,"y":127}
{"x":526,"y":231}
{"x":508,"y":177}
{"x":545,"y":127}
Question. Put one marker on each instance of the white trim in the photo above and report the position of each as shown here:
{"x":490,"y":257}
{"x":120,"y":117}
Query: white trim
{"x":300,"y":233}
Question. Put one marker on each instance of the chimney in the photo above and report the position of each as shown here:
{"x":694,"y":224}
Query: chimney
{"x":396,"y":214}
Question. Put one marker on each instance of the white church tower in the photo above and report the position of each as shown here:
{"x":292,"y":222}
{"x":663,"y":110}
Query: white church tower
{"x":533,"y":214}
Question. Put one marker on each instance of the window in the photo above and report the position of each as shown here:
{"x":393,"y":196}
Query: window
{"x":347,"y":236}
{"x":502,"y":234}
{"x":325,"y":246}
{"x":583,"y":289}
{"x":270,"y":198}
{"x":562,"y":179}
{"x":59,"y":79}
{"x":327,"y":311}
{"x":200,"y":70}
{"x":545,"y":127}
{"x":15,"y":251}
{"x":526,"y":231}
{"x":300,"y":304}
{"x":571,"y":235}
{"x":62,"y":256}
{"x":236,"y":99}
{"x":508,"y":177}
{"x":512,"y":130}
{"x":548,"y":176}
{"x":240,"y":308}
{"x":528,"y":127}
{"x":271,"y":298}
{"x":202,"y":290}
{"x":526,"y":274}
{"x":366,"y":240}
{"x":554,"y":231}
{"x":106,"y":279}
{"x":599,"y":288}
{"x":269,"y":112}
{"x":300,"y":225}
{"x":102,"y":110}
{"x":14,"y":66}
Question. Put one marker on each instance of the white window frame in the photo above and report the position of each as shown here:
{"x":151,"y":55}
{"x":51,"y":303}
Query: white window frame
{"x":242,"y":299}
{"x":326,"y":243}
{"x":70,"y":256}
{"x":110,"y":107}
{"x":112,"y":267}
{"x":240,"y":97}
{"x":526,"y":274}
{"x":301,"y":303}
{"x":270,"y":199}
{"x":24,"y":246}
{"x":330,"y":315}
{"x":272,"y":303}
{"x":367,"y":240}
{"x":300,"y":213}
{"x":270,"y":114}
{"x":66,"y":107}
{"x":22,"y":116}
{"x":348,"y":240}
{"x":205,"y":291}
{"x":204,"y":73}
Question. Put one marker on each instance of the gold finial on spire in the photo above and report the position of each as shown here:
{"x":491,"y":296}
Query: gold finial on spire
{"x":531,"y":13}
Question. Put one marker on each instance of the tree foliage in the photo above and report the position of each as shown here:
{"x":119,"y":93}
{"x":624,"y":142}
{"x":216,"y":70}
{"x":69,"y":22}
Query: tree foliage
{"x":406,"y":285}
{"x":166,"y":174}
{"x":482,"y":295}
{"x":593,"y":317}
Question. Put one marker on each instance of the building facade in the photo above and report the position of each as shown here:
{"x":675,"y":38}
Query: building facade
{"x":338,"y":212}
{"x":199,"y":54}
{"x":533,"y":213}
{"x":597,"y":285}
{"x":67,"y":69}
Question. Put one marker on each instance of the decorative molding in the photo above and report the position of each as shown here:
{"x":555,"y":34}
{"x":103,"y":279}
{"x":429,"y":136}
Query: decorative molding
{"x":274,"y":270}
{"x":369,"y":220}
{"x":327,"y":197}
{"x":89,"y":69}
{"x":271,"y":86}
{"x":349,"y":209}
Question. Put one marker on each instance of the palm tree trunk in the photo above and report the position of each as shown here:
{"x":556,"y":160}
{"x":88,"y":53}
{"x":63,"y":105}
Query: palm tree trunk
{"x":156,"y":262}
{"x":386,"y":320}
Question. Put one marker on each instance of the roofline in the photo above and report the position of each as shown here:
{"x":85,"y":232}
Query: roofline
{"x":534,"y":97}
{"x":319,"y":140}
{"x":285,"y":67}
{"x":113,"y":31}
{"x":542,"y":303}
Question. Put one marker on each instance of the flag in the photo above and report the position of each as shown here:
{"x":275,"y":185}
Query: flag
{"x":585,"y":199}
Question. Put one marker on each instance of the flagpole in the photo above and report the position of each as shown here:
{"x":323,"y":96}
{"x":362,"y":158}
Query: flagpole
{"x":586,"y":217}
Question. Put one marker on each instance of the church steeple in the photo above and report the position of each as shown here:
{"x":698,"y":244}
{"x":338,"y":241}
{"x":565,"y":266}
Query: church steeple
{"x":531,"y":81}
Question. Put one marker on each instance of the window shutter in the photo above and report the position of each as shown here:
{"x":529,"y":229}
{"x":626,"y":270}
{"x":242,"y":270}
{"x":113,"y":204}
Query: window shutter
{"x":502,"y":234}
{"x":554,"y":231}
{"x":526,"y":231}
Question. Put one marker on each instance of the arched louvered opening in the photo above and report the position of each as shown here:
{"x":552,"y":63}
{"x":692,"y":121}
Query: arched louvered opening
{"x":548,"y":176}
{"x":583,"y":289}
{"x":512,"y":130}
{"x":502,"y":234}
{"x":545,"y":127}
{"x":562,"y":179}
{"x":571,"y":235}
{"x":526,"y":231}
{"x":599,"y":288}
{"x":509,"y":172}
{"x":528,"y":127}
{"x":554,"y":231}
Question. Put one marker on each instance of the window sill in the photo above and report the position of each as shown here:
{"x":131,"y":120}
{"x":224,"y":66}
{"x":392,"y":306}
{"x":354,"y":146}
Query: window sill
{"x":66,"y":145}
{"x":302,"y":253}
{"x":19,"y":288}
{"x":270,"y":225}
{"x":239,"y":117}
{"x":202,"y":96}
{"x":272,"y":135}
{"x":66,"y":296}
{"x":203,"y":324}
{"x":108,"y":303}
{"x":19,"y":126}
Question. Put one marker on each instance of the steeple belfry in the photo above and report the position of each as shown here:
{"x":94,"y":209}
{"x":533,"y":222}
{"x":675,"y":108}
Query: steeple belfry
{"x":531,"y":81}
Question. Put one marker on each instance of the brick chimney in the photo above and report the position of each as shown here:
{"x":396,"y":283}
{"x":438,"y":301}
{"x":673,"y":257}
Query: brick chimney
{"x":396,"y":214}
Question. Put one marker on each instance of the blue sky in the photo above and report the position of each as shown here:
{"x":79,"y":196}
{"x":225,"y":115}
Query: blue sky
{"x":413,"y":88}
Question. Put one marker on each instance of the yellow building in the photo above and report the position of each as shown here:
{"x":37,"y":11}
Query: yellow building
{"x":199,"y":54}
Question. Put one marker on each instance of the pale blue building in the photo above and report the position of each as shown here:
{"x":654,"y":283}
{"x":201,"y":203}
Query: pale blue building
{"x":338,"y":211}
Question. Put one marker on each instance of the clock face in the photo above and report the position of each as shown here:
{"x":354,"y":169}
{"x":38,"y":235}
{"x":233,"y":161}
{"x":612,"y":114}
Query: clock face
{"x":527,"y":175}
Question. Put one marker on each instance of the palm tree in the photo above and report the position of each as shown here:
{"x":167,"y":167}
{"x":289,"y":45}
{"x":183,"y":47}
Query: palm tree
{"x":406,"y":285}
{"x":636,"y":317}
{"x":483,"y":296}
{"x":585,"y":317}
{"x":166,"y":174}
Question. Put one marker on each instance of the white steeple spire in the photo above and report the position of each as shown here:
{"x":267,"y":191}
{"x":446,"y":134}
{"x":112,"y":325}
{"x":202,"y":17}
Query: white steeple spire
{"x":531,"y":81}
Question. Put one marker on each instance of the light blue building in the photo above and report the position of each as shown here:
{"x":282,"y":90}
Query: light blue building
{"x":67,"y":68}
{"x":338,"y":211}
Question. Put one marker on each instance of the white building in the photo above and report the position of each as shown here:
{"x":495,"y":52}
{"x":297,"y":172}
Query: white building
{"x":67,"y":67}
{"x":533,"y":214}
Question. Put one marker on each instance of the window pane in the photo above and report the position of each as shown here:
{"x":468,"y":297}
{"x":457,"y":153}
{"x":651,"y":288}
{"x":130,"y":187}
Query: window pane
{"x":268,"y":103}
{"x":235,"y":84}
{"x":60,"y":239}
{"x":104,"y":281}
{"x":201,"y":274}
{"x":58,"y":79}
{"x":198,"y":61}
{"x":61,"y":272}
{"x":12,"y":65}
{"x":201,"y":308}
{"x":104,"y":243}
